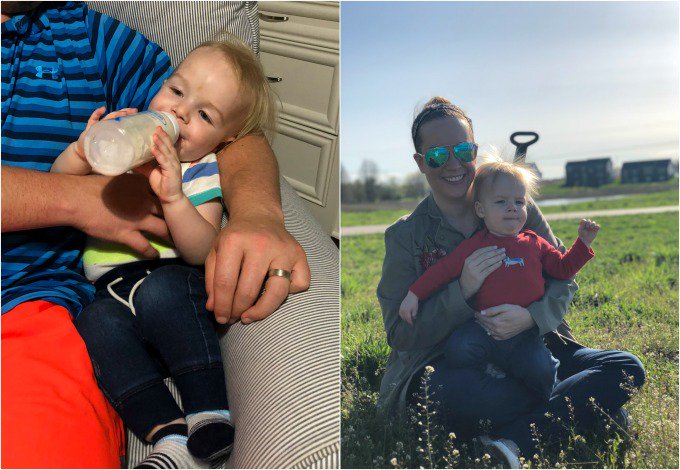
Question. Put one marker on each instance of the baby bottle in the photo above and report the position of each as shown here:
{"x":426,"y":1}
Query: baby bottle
{"x":115,"y":146}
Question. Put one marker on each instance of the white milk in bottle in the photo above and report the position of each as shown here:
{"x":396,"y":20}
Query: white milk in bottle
{"x":115,"y":146}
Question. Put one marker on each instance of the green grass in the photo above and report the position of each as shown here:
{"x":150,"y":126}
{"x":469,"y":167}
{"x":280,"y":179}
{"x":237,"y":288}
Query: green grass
{"x":554,"y":189}
{"x":628,"y":299}
{"x":661,"y":198}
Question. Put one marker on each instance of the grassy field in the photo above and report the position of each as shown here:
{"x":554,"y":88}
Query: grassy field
{"x":553,"y":189}
{"x":628,"y":299}
{"x":661,"y":198}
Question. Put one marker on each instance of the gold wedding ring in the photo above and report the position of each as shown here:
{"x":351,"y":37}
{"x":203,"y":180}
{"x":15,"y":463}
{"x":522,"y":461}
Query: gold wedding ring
{"x":279,"y":272}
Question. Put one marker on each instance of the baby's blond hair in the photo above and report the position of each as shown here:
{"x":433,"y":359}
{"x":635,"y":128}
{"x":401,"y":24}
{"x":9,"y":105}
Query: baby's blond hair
{"x":260,"y":113}
{"x":493,"y":166}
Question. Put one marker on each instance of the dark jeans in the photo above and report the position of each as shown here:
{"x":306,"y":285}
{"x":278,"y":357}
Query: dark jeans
{"x":172,"y":334}
{"x":524,"y":356}
{"x":468,"y":395}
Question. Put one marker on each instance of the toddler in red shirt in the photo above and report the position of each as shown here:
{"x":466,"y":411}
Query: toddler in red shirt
{"x":501,"y":190}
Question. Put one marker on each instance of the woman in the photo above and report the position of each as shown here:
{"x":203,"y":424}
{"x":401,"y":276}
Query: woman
{"x":435,"y":228}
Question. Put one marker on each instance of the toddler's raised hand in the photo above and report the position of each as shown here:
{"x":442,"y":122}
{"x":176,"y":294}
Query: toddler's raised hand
{"x":587,"y":231}
{"x":408,"y":310}
{"x":94,"y":119}
{"x":166,"y":178}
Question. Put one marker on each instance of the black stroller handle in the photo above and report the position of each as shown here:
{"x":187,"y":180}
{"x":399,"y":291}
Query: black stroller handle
{"x":521,"y":151}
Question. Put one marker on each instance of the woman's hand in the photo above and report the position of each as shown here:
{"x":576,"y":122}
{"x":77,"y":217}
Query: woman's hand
{"x":166,"y":178}
{"x":505,"y":321}
{"x":409,"y":308}
{"x":477,"y":267}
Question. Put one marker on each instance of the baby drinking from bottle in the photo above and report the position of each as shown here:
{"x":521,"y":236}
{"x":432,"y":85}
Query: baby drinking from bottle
{"x":148,"y":319}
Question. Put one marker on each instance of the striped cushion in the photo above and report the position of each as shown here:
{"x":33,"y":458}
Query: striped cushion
{"x":180,"y":26}
{"x":283,"y":372}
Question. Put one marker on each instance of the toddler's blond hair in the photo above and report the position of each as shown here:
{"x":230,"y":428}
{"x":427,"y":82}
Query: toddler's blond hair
{"x":260,"y":115}
{"x":493,"y":166}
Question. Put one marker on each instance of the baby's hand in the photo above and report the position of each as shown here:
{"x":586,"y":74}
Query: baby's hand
{"x":587,"y":231}
{"x":408,"y":310}
{"x":166,"y":178}
{"x":94,"y":119}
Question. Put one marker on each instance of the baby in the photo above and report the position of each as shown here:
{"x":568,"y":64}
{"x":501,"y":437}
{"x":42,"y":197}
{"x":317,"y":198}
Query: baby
{"x":148,"y":319}
{"x":501,"y":190}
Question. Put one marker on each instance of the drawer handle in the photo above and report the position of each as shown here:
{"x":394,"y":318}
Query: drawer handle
{"x":274,"y":79}
{"x":273,"y":18}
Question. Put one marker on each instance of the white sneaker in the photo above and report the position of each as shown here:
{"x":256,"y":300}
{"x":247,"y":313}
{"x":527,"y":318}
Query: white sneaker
{"x":503,"y":450}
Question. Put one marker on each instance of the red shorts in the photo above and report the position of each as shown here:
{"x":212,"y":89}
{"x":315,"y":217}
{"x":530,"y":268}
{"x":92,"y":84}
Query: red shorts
{"x":53,"y":413}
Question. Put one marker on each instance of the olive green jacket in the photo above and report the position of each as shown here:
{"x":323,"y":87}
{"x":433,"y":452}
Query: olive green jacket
{"x":425,"y":233}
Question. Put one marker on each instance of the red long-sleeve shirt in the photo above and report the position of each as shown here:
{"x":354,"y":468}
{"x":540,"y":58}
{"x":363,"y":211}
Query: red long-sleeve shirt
{"x":519,"y":280}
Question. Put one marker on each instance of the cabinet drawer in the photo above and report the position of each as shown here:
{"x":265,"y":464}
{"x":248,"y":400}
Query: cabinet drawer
{"x":306,"y":22}
{"x":309,"y":84}
{"x":305,"y":158}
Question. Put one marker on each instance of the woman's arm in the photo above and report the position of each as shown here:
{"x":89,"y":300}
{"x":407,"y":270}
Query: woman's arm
{"x":437,"y":317}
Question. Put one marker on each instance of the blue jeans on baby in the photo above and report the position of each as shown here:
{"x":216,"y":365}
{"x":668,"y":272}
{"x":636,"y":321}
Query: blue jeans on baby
{"x":524,"y":357}
{"x":170,"y":334}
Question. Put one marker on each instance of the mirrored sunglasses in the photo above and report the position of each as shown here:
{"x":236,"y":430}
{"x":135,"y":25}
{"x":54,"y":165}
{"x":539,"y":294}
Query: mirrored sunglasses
{"x":438,"y":156}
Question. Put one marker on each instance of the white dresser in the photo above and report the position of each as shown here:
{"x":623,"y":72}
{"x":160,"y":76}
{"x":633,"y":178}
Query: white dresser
{"x":299,"y":48}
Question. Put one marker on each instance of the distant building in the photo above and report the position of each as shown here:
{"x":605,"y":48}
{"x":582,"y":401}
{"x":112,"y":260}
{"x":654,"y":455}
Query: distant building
{"x":647,"y":171}
{"x":593,"y":172}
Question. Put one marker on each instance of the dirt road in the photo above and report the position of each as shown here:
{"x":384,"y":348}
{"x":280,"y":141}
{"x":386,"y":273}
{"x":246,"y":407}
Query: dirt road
{"x":371,"y":229}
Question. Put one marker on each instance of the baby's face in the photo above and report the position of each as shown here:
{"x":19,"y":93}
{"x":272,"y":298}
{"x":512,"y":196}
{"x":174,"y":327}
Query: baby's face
{"x":204,"y":95}
{"x":503,"y":206}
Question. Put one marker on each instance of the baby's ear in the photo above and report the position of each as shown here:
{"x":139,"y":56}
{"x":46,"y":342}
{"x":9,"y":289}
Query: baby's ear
{"x":479,"y":209}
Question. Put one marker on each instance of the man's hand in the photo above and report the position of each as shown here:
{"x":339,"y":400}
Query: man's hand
{"x":244,"y":251}
{"x":505,"y":321}
{"x":477,"y":267}
{"x":119,"y":209}
{"x":587,"y":231}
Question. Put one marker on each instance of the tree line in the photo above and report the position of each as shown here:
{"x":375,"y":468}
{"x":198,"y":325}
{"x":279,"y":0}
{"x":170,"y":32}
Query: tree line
{"x":368,"y":188}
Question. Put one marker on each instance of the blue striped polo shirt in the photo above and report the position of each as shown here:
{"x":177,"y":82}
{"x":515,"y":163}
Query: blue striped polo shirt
{"x":59,"y":63}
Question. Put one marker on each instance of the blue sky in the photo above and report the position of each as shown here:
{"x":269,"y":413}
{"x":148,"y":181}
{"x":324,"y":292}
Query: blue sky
{"x":592,"y":78}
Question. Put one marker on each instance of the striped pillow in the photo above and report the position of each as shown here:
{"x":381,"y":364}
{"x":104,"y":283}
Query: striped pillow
{"x":180,"y":26}
{"x":283,"y":373}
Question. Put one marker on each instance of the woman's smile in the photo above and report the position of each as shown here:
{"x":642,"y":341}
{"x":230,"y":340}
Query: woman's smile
{"x":454,"y":179}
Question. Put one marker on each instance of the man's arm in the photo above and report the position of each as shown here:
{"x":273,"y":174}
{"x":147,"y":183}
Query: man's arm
{"x":254,"y":241}
{"x":116,"y":209}
{"x":39,"y":206}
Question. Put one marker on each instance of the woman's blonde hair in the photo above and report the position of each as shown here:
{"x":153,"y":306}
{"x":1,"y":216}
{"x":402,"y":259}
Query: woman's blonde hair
{"x":492,"y":166}
{"x":260,"y":115}
{"x":436,"y":108}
